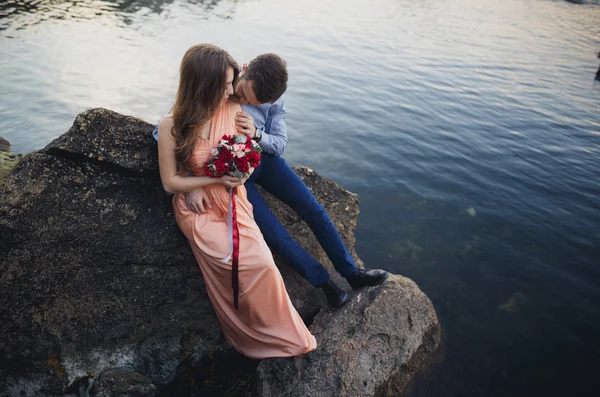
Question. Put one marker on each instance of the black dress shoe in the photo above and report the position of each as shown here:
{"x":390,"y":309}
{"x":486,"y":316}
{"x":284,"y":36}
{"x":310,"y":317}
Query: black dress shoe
{"x":364,"y":277}
{"x":336,"y":297}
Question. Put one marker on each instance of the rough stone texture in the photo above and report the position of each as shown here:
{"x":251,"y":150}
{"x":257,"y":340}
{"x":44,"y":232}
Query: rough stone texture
{"x":367,"y":348}
{"x":118,"y":383}
{"x":96,"y":277}
{"x":95,"y":273}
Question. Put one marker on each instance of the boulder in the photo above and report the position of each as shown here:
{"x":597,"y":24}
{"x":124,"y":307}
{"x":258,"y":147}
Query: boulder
{"x":370,"y":347}
{"x":100,"y":291}
{"x":115,"y":382}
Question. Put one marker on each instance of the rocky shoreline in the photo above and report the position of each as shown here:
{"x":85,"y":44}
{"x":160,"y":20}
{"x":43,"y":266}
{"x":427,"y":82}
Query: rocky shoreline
{"x":101,"y":295}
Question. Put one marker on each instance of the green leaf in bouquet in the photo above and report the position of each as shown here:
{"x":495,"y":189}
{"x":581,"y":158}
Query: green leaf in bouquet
{"x":238,"y":174}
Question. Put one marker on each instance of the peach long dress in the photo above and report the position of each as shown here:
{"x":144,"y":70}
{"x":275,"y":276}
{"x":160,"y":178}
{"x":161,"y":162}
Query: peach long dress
{"x":266,"y":323}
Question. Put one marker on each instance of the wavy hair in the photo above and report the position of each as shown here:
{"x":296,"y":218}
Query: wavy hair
{"x":202,"y":79}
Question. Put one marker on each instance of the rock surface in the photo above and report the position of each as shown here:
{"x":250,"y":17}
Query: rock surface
{"x":96,"y":277}
{"x":370,"y":347}
{"x":118,"y":383}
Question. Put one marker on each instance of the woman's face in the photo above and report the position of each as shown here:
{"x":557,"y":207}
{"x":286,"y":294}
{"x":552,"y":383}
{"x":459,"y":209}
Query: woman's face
{"x":228,"y":89}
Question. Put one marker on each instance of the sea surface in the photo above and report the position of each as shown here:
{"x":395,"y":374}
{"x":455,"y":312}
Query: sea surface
{"x":470,"y":130}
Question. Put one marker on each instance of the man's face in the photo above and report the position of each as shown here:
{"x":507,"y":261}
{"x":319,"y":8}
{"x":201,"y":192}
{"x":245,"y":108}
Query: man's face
{"x":245,"y":93}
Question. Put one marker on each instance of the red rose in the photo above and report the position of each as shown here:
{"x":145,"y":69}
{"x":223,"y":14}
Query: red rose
{"x":225,"y":155}
{"x":231,"y":140}
{"x":242,"y":164}
{"x":216,"y":168}
{"x":221,"y":166}
{"x":254,"y":159}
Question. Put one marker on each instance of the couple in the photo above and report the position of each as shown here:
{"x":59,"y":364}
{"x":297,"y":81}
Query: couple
{"x":207,"y":106}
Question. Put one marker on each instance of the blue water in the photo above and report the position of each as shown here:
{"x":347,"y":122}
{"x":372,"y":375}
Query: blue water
{"x":470,"y":130}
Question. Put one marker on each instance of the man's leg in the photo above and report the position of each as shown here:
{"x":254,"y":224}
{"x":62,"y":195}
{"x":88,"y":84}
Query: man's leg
{"x":280,"y":180}
{"x":277,"y":236}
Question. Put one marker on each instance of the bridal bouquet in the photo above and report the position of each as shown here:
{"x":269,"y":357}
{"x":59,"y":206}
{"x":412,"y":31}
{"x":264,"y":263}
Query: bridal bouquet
{"x":234,"y":155}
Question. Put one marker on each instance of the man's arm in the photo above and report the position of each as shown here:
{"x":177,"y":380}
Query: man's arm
{"x":274,"y":138}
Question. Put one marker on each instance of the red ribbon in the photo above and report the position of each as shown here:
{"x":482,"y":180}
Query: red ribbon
{"x":236,"y":251}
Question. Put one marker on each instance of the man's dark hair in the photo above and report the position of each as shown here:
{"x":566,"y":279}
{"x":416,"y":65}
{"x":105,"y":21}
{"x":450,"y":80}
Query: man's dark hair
{"x":269,"y":75}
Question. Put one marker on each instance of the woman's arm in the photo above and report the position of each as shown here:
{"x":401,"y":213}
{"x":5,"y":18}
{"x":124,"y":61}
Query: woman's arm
{"x":173,"y":182}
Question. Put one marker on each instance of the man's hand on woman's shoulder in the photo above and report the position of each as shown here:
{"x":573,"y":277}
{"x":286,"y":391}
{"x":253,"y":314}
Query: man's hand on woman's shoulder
{"x":244,"y":124}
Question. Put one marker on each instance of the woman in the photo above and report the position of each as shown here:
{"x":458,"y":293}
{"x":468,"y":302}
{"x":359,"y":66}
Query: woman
{"x":266,"y":324}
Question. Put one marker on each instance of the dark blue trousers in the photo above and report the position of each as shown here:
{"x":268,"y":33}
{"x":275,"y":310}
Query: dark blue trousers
{"x":276,"y":177}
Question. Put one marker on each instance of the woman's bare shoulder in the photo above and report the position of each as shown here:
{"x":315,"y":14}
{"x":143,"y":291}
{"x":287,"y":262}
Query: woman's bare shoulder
{"x":166,"y":121}
{"x":165,"y":126}
{"x":234,"y":108}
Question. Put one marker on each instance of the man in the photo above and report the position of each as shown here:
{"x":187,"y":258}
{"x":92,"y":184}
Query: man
{"x":260,"y":91}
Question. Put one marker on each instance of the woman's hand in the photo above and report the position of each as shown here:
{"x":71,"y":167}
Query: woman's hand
{"x":251,"y":170}
{"x":229,"y":181}
{"x":197,"y":200}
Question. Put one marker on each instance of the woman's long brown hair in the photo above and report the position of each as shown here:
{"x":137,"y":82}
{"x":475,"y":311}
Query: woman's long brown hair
{"x":202,"y":79}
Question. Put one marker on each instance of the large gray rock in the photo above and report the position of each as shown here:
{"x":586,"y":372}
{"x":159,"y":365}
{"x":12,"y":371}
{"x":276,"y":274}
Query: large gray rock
{"x":118,"y":383}
{"x":95,"y":273}
{"x":96,"y":278}
{"x":372,"y":346}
